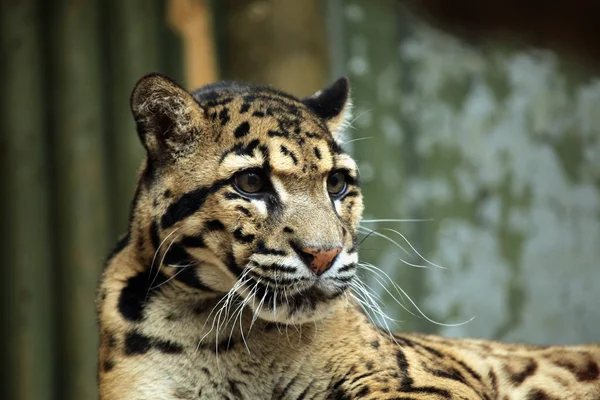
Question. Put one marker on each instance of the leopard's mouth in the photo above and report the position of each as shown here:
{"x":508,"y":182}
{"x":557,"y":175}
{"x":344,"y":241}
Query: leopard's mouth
{"x":293,"y":298}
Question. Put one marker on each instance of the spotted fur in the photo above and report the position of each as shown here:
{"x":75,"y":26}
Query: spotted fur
{"x":212,"y":293}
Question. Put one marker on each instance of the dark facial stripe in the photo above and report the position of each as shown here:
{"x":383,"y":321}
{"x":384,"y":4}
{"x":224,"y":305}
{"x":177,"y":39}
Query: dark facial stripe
{"x":262,"y":249}
{"x":346,"y":268}
{"x":188,"y":204}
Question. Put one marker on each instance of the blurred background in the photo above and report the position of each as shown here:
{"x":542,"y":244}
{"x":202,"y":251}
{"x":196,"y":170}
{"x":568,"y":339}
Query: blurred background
{"x":482,"y":119}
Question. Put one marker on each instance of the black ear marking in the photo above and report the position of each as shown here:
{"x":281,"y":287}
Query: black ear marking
{"x":166,"y":115}
{"x":332,"y":104}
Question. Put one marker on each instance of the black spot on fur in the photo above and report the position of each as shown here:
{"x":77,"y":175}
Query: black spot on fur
{"x":136,"y":294}
{"x":167,"y":193}
{"x":334,"y":147}
{"x":233,"y":389}
{"x":242,"y":149}
{"x":317,"y":153}
{"x":233,"y":196}
{"x":167,"y":347}
{"x":244,"y":108}
{"x":176,"y":255}
{"x":224,"y":116}
{"x":520,"y":377}
{"x":337,"y":393}
{"x":238,"y":234}
{"x":407,"y":383}
{"x":287,"y":229}
{"x":244,"y":210}
{"x":363,"y":392}
{"x":537,"y":394}
{"x":449,"y":373}
{"x":313,"y":135}
{"x":242,"y":130}
{"x":258,"y":114}
{"x":375,"y":344}
{"x":111,"y":340}
{"x":589,"y":372}
{"x":232,"y":265}
{"x":136,"y":343}
{"x":108,"y":365}
{"x":277,"y":134}
{"x":214,"y":225}
{"x":286,"y":152}
{"x":154,"y":235}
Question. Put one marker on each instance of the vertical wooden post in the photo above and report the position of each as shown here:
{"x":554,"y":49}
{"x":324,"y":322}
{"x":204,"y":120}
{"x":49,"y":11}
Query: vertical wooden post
{"x":278,"y":42}
{"x":26,"y":284}
{"x":193,"y":20}
{"x":81,"y":217}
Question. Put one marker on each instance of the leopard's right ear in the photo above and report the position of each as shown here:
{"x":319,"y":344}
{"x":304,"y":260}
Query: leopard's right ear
{"x":166,"y":115}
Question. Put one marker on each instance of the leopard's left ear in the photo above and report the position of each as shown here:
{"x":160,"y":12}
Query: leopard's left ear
{"x":333,"y":105}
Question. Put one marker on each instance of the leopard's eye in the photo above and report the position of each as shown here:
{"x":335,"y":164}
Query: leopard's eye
{"x":336,"y":183}
{"x":250,"y":181}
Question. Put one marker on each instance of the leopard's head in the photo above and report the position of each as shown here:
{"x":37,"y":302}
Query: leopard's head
{"x":246,"y":190}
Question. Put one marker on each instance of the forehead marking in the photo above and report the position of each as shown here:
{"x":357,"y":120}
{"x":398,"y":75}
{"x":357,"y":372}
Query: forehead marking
{"x":242,"y":130}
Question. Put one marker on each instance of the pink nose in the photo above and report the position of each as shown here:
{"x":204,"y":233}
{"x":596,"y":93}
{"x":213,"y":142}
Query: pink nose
{"x":321,"y":259}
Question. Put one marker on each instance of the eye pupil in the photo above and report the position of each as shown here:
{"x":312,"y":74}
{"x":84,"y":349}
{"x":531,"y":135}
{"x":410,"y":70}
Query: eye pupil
{"x":249,"y":181}
{"x":336,"y":183}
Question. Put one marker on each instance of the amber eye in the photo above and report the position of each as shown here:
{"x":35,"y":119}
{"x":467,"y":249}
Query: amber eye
{"x":252,"y":181}
{"x":336,"y":183}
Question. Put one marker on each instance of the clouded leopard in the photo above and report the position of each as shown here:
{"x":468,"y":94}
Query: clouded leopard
{"x":234,"y":277}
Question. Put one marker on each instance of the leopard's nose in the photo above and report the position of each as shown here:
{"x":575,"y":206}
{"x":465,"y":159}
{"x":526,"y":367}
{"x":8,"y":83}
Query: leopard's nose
{"x":319,"y":259}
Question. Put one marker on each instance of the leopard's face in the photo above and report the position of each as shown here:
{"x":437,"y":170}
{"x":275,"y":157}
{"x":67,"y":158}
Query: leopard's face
{"x":251,"y":195}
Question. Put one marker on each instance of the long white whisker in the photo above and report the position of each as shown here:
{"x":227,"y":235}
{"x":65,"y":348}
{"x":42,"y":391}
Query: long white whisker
{"x":373,"y":221}
{"x":357,"y":140}
{"x":413,"y":248}
{"x":403,"y":292}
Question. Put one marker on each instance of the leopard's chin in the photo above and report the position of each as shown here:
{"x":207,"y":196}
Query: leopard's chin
{"x":308,"y":305}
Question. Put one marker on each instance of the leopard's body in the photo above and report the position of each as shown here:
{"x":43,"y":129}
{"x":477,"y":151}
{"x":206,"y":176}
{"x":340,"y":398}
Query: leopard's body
{"x":221,"y":291}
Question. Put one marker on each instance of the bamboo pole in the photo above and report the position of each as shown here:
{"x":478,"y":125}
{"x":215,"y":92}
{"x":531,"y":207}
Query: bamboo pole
{"x":81,"y":201}
{"x":27,"y":257}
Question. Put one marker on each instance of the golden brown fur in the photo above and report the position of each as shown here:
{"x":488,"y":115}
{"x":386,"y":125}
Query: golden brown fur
{"x":211,"y":294}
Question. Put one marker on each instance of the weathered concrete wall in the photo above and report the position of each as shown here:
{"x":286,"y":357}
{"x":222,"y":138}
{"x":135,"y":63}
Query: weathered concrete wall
{"x":501,"y":149}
